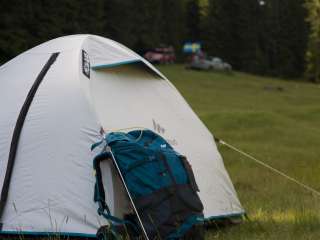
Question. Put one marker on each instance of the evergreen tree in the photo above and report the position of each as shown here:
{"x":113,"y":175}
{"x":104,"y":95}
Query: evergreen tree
{"x":313,"y":51}
{"x":27,"y":23}
{"x":220,"y":24}
{"x":285,"y":37}
{"x":134,"y":23}
{"x":193,"y":20}
{"x":173,"y":28}
{"x":268,"y":38}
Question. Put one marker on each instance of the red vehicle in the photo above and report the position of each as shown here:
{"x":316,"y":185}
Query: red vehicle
{"x":161,"y":55}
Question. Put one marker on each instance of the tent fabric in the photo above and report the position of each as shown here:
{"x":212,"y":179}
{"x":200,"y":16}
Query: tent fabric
{"x":17,"y":131}
{"x":52,"y":183}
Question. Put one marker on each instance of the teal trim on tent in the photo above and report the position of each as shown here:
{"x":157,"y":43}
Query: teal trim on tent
{"x":219,"y":217}
{"x":48,"y":234}
{"x":102,"y":66}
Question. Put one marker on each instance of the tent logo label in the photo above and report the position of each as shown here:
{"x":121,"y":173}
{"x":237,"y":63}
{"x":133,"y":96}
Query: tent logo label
{"x":161,"y":130}
{"x":157,"y":127}
{"x":85,"y":64}
{"x":172,"y":142}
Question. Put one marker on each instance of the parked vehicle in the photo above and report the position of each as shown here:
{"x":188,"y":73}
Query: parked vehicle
{"x":210,"y":63}
{"x":161,"y":55}
{"x":217,"y":64}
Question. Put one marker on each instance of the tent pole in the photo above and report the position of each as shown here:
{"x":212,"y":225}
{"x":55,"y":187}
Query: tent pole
{"x":127,"y":190}
{"x":17,"y":132}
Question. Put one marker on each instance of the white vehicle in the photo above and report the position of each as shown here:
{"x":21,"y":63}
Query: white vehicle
{"x":211,"y":63}
{"x":217,"y":64}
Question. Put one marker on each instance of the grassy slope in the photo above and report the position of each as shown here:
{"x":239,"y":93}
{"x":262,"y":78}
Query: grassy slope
{"x":281,"y":128}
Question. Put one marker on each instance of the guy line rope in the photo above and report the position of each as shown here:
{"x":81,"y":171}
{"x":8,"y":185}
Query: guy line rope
{"x":308,"y":188}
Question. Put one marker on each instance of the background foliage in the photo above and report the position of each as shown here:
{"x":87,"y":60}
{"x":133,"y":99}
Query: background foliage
{"x":270,"y":37}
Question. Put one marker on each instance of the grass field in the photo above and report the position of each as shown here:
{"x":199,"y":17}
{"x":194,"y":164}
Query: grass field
{"x":275,"y":120}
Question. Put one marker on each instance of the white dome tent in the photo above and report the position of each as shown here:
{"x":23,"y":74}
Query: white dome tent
{"x":55,"y":99}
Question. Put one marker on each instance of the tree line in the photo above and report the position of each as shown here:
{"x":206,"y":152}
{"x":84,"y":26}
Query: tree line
{"x":267,"y":37}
